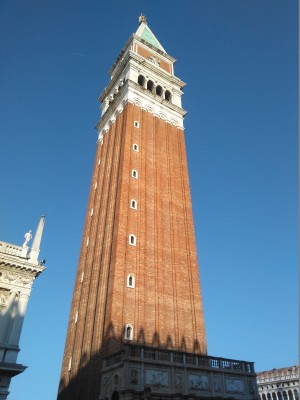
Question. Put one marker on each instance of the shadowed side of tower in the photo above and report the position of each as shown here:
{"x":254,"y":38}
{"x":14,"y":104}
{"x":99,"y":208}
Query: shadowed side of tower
{"x":137,"y":290}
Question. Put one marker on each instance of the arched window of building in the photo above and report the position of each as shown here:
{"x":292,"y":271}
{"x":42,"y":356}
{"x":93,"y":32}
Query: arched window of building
{"x":168,"y":95}
{"x":159,"y":90}
{"x":264,"y":397}
{"x":269,"y":396}
{"x":279,"y":395}
{"x":132,"y":240}
{"x":128,"y":332}
{"x":141,"y":80}
{"x":150,"y":86}
{"x":135,"y":147}
{"x":290,"y":393}
{"x":284,"y":395}
{"x":136,"y":124}
{"x":274,"y":397}
{"x":130,"y":281}
{"x":134,"y":173}
{"x":296,"y":394}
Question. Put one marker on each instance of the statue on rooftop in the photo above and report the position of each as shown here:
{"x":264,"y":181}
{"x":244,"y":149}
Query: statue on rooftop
{"x":28,"y":237}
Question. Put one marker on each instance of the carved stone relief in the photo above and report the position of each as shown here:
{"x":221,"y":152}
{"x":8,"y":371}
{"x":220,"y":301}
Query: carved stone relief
{"x":198,"y":382}
{"x":178,"y":380}
{"x":134,"y":376}
{"x":154,"y":61}
{"x":157,"y":378}
{"x":234,"y":385}
{"x":16,"y":279}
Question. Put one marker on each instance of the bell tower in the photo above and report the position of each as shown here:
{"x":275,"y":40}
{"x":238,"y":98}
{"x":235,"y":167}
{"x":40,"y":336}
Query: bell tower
{"x":137,"y":291}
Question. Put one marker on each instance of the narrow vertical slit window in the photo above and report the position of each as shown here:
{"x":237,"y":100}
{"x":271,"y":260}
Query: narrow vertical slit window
{"x":87,"y":241}
{"x":96,"y":184}
{"x":136,"y":124}
{"x":130,"y":281}
{"x":70,"y":364}
{"x":133,"y":204}
{"x":134,"y":174}
{"x":76,"y":317}
{"x":92,"y":211}
{"x":82,"y":276}
{"x":132,"y":240}
{"x":135,"y":147}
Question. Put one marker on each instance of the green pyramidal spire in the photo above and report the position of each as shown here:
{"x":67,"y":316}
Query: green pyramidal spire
{"x":145,"y":33}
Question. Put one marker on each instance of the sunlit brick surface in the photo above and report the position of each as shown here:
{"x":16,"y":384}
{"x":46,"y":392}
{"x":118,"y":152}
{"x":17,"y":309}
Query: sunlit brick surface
{"x":165,"y":307}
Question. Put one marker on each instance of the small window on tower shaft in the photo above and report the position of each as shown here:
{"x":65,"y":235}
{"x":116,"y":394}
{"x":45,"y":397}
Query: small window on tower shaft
{"x":130,"y":281}
{"x":136,"y":124}
{"x":133,"y":204}
{"x":70,"y":364}
{"x":135,"y":147}
{"x":134,"y":173}
{"x":128,"y":332}
{"x":132,"y":240}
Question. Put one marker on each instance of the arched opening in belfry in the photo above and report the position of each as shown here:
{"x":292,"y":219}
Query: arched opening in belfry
{"x":141,"y":80}
{"x":168,"y":95}
{"x":150,"y":86}
{"x":159,"y":90}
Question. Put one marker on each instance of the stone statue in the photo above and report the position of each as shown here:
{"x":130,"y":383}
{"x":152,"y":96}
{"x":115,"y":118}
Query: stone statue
{"x":27,"y":237}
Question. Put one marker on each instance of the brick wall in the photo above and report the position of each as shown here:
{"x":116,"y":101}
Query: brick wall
{"x":165,"y":307}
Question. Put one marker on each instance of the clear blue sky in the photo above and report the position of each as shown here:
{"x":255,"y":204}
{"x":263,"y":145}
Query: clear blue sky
{"x":239,"y":59}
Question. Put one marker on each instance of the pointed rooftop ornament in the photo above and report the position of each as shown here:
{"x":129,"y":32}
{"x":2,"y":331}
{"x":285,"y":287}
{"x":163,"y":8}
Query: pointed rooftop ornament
{"x":35,"y":250}
{"x":145,"y":33}
{"x":142,"y":18}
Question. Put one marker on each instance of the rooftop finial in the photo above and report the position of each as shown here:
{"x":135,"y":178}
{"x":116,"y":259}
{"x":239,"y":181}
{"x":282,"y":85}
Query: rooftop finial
{"x":142,"y":18}
{"x":35,"y":250}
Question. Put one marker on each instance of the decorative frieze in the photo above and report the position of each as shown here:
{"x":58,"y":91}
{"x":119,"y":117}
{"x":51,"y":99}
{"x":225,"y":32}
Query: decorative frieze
{"x":163,"y":374}
{"x":17,"y":279}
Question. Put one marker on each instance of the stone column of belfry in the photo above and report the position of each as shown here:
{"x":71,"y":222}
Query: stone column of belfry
{"x":137,"y":277}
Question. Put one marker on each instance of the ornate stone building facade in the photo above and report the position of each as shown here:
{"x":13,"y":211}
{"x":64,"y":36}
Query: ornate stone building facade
{"x":136,"y":326}
{"x":19,"y":266}
{"x":279,"y":384}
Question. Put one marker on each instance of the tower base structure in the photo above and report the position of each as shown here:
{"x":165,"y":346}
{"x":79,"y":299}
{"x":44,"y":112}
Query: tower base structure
{"x":142,"y":372}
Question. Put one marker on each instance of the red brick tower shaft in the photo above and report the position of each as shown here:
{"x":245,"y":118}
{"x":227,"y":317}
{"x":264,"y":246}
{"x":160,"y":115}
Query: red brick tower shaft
{"x":137,"y":278}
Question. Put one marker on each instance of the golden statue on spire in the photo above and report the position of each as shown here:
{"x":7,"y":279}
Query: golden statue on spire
{"x":142,"y":18}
